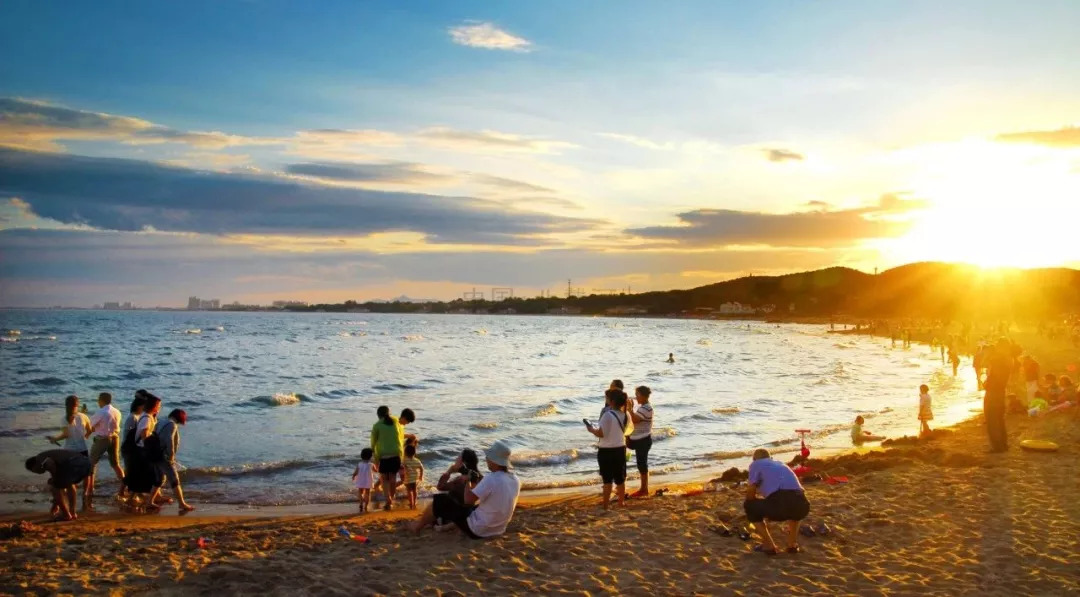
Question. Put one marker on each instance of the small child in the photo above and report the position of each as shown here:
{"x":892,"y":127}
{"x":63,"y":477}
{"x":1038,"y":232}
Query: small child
{"x":926,"y":411}
{"x":413,"y":472}
{"x":1016,"y":406}
{"x":364,"y":478}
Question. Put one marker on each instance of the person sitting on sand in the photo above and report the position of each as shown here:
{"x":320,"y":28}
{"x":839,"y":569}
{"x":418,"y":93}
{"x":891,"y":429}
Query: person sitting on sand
{"x":640,"y":440}
{"x":169,"y":437}
{"x":67,"y":468}
{"x":1068,"y":389}
{"x":388,"y":442}
{"x":671,"y":358}
{"x":74,"y":433}
{"x":463,"y":473}
{"x":783,"y":500}
{"x":488,"y":506}
{"x":1051,"y":388}
{"x":858,"y":435}
{"x":1016,"y":406}
{"x":611,"y":452}
{"x":926,"y":410}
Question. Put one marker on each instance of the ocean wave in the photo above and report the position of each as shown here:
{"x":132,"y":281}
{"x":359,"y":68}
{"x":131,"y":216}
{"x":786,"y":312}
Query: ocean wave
{"x":659,"y":435}
{"x":259,"y":468}
{"x":335,"y":394}
{"x":280,"y":399}
{"x":546,"y":410}
{"x":26,"y":432}
{"x":412,"y":338}
{"x":389,"y":387}
{"x":726,"y":410}
{"x":48,"y":382}
{"x":526,"y":459}
{"x":193,"y":331}
{"x":220,"y":358}
{"x":705,"y":342}
{"x":484,"y":425}
{"x":729,"y":455}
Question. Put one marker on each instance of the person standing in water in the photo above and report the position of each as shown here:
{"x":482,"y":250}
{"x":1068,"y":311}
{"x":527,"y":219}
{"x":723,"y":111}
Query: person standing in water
{"x":169,"y":437}
{"x":388,"y":442}
{"x":641,"y":439}
{"x":671,"y":358}
{"x":106,"y":433}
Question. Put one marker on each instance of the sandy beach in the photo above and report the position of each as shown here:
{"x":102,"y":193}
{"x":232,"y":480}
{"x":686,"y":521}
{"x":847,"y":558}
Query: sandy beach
{"x":936,"y":517}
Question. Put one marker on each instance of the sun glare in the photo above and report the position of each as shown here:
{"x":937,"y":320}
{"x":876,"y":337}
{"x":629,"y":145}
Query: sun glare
{"x":994,"y":206}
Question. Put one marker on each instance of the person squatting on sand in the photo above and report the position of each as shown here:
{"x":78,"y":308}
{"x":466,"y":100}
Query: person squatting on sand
{"x":66,"y":468}
{"x":640,"y":440}
{"x":783,"y":500}
{"x":611,"y":452}
{"x":487,"y":508}
{"x":74,"y":433}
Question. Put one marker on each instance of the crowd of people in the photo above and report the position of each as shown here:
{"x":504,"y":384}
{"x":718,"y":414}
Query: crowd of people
{"x":147,"y":447}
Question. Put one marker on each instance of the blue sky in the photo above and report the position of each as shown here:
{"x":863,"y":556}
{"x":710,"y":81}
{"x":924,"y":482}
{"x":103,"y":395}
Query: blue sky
{"x":252,"y":150}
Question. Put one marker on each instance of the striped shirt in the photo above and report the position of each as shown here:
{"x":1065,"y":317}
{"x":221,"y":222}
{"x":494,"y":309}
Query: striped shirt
{"x":412,"y":469}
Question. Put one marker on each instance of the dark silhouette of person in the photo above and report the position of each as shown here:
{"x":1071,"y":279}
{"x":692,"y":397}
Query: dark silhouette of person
{"x":997,"y":380}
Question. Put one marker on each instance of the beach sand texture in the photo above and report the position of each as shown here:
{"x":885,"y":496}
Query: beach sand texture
{"x":942,"y":517}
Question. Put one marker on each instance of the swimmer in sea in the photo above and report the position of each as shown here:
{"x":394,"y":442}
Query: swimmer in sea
{"x":671,"y":357}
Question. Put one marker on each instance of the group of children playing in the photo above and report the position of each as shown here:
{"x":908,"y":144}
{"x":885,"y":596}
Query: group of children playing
{"x":366,"y":475}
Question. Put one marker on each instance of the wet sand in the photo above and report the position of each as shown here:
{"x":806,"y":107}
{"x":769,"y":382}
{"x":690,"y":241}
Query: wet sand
{"x":937,"y":517}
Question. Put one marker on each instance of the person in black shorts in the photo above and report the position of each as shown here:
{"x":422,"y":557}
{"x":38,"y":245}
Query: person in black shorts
{"x":611,"y":449}
{"x":67,"y":468}
{"x":783,"y":500}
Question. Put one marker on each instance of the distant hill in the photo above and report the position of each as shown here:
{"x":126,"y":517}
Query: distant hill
{"x":925,"y":290}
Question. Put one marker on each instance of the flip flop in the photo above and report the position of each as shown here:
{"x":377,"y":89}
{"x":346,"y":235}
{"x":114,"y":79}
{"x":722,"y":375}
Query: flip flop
{"x":768,"y":552}
{"x":795,"y":549}
{"x":744,"y":534}
{"x":823,"y":529}
{"x":721,"y":529}
{"x":807,"y":531}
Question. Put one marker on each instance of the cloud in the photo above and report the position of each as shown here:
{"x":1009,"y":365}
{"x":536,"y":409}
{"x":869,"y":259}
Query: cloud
{"x":639,"y":141}
{"x":1064,"y":137}
{"x":29,"y":124}
{"x":782,"y":155}
{"x":488,"y":36}
{"x":508,"y":184}
{"x":121,"y":194}
{"x":403,"y":173}
{"x":449,"y":138}
{"x":817,"y":228}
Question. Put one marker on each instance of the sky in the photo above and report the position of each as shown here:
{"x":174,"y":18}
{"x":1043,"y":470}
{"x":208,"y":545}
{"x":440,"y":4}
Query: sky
{"x":268,"y":150}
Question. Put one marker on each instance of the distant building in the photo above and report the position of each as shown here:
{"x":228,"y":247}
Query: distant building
{"x":736,"y":308}
{"x":286,"y":304}
{"x":127,"y":306}
{"x":194,"y":303}
{"x":111,"y":306}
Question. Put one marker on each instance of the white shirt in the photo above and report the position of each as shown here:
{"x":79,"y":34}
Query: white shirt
{"x":612,"y":423}
{"x":76,"y":433}
{"x":147,"y":421}
{"x":106,"y":421}
{"x":498,"y":493}
{"x":365,"y":475}
{"x":643,"y":428}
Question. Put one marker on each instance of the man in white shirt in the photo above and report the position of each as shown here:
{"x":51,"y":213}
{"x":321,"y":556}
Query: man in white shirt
{"x":488,"y":507}
{"x":105,"y":431}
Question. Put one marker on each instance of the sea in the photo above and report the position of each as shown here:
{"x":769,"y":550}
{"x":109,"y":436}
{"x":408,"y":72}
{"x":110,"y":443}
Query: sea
{"x":280,"y":404}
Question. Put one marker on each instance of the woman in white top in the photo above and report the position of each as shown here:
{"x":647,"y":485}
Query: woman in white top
{"x":76,"y":429}
{"x":611,"y":449}
{"x":142,"y":474}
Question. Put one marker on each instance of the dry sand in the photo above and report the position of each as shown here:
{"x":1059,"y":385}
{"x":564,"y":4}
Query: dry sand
{"x":940,"y":517}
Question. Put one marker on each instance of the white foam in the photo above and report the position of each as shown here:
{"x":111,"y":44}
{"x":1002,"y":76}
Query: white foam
{"x":281,"y":399}
{"x":484,"y":425}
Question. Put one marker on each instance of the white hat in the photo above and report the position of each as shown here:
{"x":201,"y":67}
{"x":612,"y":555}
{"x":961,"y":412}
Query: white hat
{"x":499,"y":453}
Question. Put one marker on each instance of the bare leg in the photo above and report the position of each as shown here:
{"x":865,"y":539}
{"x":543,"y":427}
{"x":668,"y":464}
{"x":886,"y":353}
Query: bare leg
{"x":388,"y":491}
{"x":71,"y":495}
{"x":426,"y":519}
{"x":184,"y":506}
{"x":792,"y":534}
{"x":762,"y":530}
{"x":607,"y":494}
{"x":620,"y":491}
{"x":644,"y":483}
{"x":360,"y":498}
{"x":88,"y":494}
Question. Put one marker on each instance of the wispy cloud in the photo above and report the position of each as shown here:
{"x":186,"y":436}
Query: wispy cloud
{"x":820,"y":227}
{"x":777,"y":155}
{"x":488,"y":36}
{"x":1064,"y":137}
{"x":489,"y":141}
{"x":639,"y":141}
{"x":30,"y":124}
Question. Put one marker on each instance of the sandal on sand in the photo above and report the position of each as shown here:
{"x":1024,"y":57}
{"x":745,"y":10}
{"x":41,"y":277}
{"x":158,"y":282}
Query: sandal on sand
{"x":795,"y":549}
{"x":807,"y":530}
{"x":721,"y":529}
{"x":744,"y":534}
{"x":823,"y":529}
{"x":768,"y":552}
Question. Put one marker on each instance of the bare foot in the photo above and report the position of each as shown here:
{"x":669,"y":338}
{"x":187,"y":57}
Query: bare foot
{"x":185,"y":508}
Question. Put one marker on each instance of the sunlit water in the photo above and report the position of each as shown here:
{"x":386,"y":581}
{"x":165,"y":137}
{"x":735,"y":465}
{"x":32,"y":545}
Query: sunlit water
{"x":280,"y":405}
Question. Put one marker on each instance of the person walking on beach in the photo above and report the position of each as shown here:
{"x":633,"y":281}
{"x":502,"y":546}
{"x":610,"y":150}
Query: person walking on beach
{"x":611,"y":453}
{"x":926,"y":410}
{"x":783,"y":500}
{"x":997,"y":381}
{"x":364,"y":478}
{"x":130,"y":423}
{"x":954,"y":360}
{"x":141,"y":444}
{"x":169,"y":438}
{"x":74,"y":433}
{"x":388,"y":443}
{"x":641,"y":439}
{"x":106,"y":440}
{"x":66,"y":468}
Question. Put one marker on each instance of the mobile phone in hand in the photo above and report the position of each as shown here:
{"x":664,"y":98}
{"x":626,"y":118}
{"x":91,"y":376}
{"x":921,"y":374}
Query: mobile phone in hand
{"x":588,"y":425}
